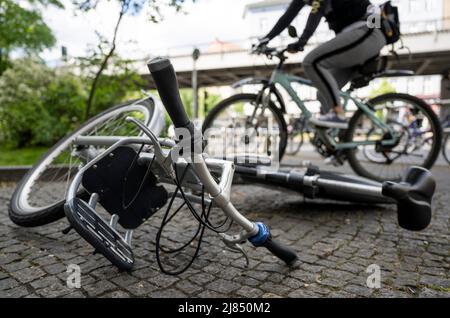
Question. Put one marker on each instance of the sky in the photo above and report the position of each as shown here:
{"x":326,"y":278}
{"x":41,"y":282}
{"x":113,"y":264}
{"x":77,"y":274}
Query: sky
{"x":203,"y":22}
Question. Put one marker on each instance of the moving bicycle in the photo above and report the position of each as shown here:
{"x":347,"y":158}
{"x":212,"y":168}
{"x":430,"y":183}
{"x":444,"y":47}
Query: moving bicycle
{"x":378,"y":141}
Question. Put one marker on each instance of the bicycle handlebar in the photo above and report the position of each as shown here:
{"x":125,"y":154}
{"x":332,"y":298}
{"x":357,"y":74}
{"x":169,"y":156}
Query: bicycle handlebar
{"x":264,"y":239}
{"x":268,"y":51}
{"x":166,"y":82}
{"x":282,"y":252}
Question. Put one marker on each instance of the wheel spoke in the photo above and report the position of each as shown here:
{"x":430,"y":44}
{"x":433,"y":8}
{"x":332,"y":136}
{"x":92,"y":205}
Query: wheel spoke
{"x":415,"y":144}
{"x":49,"y":182}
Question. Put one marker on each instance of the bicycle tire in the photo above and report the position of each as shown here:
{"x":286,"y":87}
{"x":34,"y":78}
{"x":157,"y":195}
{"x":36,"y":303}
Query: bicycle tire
{"x":55,"y":211}
{"x":423,"y":106}
{"x":212,"y":115}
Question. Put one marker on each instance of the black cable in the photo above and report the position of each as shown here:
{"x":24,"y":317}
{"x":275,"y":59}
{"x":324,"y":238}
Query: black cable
{"x":203,"y":220}
{"x":191,"y":208}
{"x":164,"y":223}
{"x":171,"y":251}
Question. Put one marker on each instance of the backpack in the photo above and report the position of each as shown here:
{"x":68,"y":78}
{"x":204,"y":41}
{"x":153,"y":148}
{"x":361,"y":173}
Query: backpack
{"x":390,"y":22}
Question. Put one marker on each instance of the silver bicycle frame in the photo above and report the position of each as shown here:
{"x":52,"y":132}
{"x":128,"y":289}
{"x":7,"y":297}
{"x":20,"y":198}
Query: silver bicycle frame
{"x":218,"y":193}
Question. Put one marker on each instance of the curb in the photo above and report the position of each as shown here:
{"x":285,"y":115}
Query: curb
{"x":13,"y":173}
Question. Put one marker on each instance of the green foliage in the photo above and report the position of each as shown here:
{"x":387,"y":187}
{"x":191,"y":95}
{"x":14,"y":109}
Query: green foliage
{"x":38,"y":105}
{"x":209,"y":101}
{"x":23,"y":28}
{"x":105,"y":50}
{"x":121,"y":82}
{"x":206,"y":101}
{"x":21,"y":157}
{"x":384,"y":88}
{"x":187,"y":97}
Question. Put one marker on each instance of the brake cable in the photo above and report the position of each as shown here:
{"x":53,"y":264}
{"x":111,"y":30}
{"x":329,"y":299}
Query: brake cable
{"x":203,"y":220}
{"x":191,"y":208}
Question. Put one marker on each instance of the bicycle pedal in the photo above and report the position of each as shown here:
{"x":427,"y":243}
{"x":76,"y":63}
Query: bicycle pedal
{"x":98,"y":233}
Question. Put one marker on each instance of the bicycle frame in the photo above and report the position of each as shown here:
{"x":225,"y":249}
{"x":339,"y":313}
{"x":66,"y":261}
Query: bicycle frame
{"x":285,"y":80}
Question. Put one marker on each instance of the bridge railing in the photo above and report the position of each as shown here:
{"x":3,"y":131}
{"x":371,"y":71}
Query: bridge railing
{"x":409,"y":28}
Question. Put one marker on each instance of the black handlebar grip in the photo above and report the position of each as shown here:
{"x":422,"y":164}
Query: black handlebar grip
{"x":282,"y":252}
{"x":166,"y":82}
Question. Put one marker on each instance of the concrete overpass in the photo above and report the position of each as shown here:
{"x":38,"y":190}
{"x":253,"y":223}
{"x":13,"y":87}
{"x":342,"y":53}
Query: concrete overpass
{"x":430,"y":54}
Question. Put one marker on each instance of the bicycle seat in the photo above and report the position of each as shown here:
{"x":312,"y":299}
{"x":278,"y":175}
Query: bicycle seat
{"x":375,"y":68}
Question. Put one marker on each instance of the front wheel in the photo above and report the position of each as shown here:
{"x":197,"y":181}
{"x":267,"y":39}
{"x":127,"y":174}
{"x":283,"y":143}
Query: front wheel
{"x":40,"y":196}
{"x":419,"y":137}
{"x":240,"y":124}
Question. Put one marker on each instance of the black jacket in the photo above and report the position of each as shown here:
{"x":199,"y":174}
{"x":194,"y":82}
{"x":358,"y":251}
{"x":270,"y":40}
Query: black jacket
{"x":338,"y":13}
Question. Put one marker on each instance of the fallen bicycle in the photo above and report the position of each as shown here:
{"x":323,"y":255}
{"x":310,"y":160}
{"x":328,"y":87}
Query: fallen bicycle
{"x":129,"y":176}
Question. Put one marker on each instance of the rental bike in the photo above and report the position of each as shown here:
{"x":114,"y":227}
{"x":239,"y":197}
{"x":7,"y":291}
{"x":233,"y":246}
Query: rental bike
{"x":115,"y":166}
{"x":378,"y":143}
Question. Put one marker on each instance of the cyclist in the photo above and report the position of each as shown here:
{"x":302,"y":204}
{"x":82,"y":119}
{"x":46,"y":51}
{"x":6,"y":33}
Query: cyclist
{"x":331,"y":65}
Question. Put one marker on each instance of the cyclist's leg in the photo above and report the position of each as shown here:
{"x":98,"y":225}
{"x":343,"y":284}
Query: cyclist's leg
{"x":346,"y":50}
{"x":342,"y":77}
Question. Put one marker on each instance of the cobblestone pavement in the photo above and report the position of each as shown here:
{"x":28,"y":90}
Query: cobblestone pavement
{"x":335,"y":244}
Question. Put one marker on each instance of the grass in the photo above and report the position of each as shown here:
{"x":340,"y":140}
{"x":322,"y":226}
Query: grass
{"x":20,"y":157}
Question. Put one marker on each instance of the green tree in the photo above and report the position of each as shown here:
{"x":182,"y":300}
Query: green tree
{"x":384,"y":88}
{"x":107,"y":48}
{"x":38,"y":105}
{"x":23,"y":28}
{"x":121,"y":83}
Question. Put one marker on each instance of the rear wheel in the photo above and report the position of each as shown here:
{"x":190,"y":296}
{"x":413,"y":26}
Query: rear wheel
{"x":40,"y":196}
{"x":240,"y":124}
{"x":419,"y":141}
{"x":446,"y":145}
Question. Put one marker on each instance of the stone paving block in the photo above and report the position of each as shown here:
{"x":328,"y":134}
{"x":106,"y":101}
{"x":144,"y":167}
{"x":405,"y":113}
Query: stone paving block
{"x":17,"y":292}
{"x":55,"y":290}
{"x":335,"y":244}
{"x":249,"y":292}
{"x":98,"y":288}
{"x":28,"y":274}
{"x":8,"y":283}
{"x":188,"y":288}
{"x":222,"y":286}
{"x":141,"y":288}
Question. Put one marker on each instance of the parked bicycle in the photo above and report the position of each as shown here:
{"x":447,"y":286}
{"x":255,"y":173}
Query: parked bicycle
{"x":380,"y":143}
